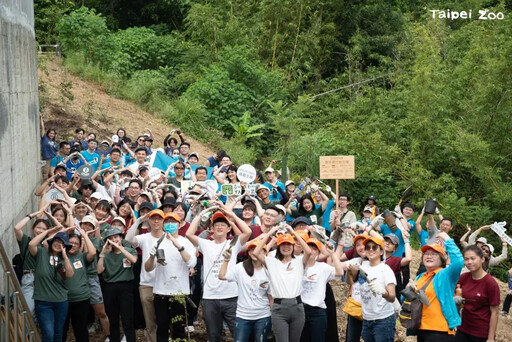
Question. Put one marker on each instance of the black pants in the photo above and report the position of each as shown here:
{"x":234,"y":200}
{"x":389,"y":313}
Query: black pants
{"x":169,"y":309}
{"x":77,"y":313}
{"x":463,"y":337}
{"x":118,"y":299}
{"x":331,"y":335}
{"x":507,"y":302}
{"x":138,"y":315}
{"x":434,"y":336}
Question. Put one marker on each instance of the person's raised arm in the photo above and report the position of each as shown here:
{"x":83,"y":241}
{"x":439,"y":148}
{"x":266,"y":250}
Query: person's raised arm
{"x":408,"y":253}
{"x":502,"y":256}
{"x":245,"y":229}
{"x":474,"y":235}
{"x":305,"y":247}
{"x":40,"y":189}
{"x":258,"y":251}
{"x":18,"y":227}
{"x":338,"y":265}
{"x":67,"y":265}
{"x":463,"y":237}
{"x":285,"y":198}
{"x":91,"y":251}
{"x":128,"y":149}
{"x":36,"y":240}
{"x":324,"y":199}
{"x":41,"y":125}
{"x":194,"y":225}
{"x":418,"y":222}
{"x":224,"y":269}
{"x":132,"y":258}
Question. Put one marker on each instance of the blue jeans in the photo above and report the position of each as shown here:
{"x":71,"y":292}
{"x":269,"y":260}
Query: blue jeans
{"x":315,"y":325}
{"x":380,"y":330}
{"x":244,"y":327}
{"x":51,"y":317}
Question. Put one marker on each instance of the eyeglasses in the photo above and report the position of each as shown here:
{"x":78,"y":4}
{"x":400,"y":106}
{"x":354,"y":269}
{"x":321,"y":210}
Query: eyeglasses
{"x":431,"y":254}
{"x":179,"y":168}
{"x":140,"y":140}
{"x":374,"y":248}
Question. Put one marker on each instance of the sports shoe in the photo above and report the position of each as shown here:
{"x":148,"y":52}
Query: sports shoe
{"x":107,"y":339}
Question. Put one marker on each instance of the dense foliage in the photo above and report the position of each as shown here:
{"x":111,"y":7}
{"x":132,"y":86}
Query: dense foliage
{"x":418,"y":101}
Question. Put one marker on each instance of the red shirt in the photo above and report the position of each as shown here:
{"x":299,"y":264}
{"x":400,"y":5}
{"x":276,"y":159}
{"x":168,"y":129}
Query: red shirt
{"x":351,"y":253}
{"x":183,"y":230}
{"x":480,"y":295}
{"x":394,"y":263}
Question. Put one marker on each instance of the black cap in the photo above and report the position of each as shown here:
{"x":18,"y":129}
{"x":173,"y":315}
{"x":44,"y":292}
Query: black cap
{"x":146,"y":205}
{"x":300,"y":219}
{"x":169,"y":201}
{"x":60,"y":166}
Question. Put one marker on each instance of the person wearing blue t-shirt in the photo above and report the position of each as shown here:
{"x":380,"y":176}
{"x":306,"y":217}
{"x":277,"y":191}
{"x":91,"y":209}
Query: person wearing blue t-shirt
{"x":64,"y":149}
{"x":79,"y":137}
{"x":73,"y":162}
{"x":90,"y":155}
{"x":114,"y":161}
{"x":271,"y":183}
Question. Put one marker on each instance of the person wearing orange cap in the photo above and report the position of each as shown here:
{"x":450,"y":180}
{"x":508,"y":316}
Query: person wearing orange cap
{"x":377,"y":293}
{"x":171,"y":283}
{"x":219,"y":297}
{"x":315,"y":279}
{"x":285,"y":272}
{"x":439,"y":320}
{"x":356,"y":255}
{"x":145,"y":242}
{"x":253,"y":306}
{"x":480,"y":298}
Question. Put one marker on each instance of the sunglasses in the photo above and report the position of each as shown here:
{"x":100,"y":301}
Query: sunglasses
{"x":374,"y":248}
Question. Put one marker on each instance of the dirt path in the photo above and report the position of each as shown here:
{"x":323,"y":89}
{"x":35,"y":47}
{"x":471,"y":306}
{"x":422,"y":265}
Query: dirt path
{"x":70,"y":102}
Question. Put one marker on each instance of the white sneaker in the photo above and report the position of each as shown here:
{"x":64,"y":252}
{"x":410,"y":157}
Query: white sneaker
{"x":107,"y":339}
{"x":123,"y":339}
{"x":190,"y":328}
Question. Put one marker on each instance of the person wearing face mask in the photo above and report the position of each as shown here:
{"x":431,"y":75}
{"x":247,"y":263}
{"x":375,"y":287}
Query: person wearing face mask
{"x":171,"y":283}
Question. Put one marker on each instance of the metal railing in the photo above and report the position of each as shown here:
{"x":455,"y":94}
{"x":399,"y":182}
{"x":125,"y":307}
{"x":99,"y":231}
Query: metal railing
{"x":16,"y":323}
{"x":43,"y":49}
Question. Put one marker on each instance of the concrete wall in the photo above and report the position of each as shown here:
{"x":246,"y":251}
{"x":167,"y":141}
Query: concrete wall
{"x":19,"y":117}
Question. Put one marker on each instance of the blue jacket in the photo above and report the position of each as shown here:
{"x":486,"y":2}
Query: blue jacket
{"x":445,"y":282}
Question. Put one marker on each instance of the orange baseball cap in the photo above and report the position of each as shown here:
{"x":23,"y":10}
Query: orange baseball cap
{"x":375,"y":240}
{"x":173,"y":216}
{"x":219,"y":216}
{"x":360,"y":236}
{"x":157,"y":212}
{"x":304,"y":234}
{"x":255,"y":242}
{"x":315,"y":242}
{"x":435,"y":247}
{"x":285,"y":238}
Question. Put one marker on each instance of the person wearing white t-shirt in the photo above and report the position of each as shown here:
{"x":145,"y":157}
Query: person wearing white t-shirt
{"x":285,"y":273}
{"x":219,"y":297}
{"x":377,"y":293}
{"x":313,"y":290}
{"x":171,"y":283}
{"x":253,"y":305}
{"x":145,"y":242}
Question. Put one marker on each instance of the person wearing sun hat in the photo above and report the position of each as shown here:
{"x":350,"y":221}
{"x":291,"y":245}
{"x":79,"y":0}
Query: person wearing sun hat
{"x":440,"y":318}
{"x":116,"y":265}
{"x":253,"y":306}
{"x":219,"y":297}
{"x":50,"y":293}
{"x":377,"y":292}
{"x":313,"y":294}
{"x":285,"y":272}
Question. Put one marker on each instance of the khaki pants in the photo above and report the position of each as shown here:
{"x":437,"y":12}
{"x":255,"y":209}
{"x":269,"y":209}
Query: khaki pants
{"x":148,"y":308}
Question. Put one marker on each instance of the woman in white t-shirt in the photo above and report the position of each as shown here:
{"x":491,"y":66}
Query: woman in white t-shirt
{"x":253,"y":304}
{"x":377,"y":293}
{"x":285,"y":273}
{"x":313,"y":290}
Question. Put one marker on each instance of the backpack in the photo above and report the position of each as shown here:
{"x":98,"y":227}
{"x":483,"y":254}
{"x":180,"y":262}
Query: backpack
{"x":17,"y":265}
{"x":412,"y":310}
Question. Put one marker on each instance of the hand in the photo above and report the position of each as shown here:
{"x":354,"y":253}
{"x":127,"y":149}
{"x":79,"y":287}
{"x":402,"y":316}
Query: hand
{"x":152,"y":252}
{"x":64,"y":255}
{"x":357,"y":225}
{"x":468,"y":227}
{"x":107,"y":247}
{"x":487,"y":227}
{"x":398,"y":210}
{"x":377,"y":221}
{"x":170,"y":237}
{"x":458,"y":300}
{"x":227,"y":254}
{"x":397,"y":306}
{"x":191,"y":272}
{"x":423,"y":210}
{"x":328,"y":188}
{"x":376,"y":288}
{"x":437,"y":211}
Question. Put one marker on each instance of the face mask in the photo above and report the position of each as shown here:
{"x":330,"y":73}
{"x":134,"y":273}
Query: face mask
{"x":171,"y":228}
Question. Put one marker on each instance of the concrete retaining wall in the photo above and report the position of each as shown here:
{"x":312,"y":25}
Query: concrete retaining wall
{"x":19,"y":117}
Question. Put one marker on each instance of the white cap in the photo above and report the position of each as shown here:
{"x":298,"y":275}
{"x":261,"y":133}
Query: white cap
{"x":269,"y":169}
{"x":97,"y":195}
{"x":89,"y":219}
{"x":288,"y":182}
{"x":482,"y":240}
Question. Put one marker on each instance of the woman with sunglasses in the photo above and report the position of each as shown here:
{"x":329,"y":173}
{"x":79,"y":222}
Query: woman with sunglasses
{"x":377,"y":292}
{"x":480,"y":299}
{"x":440,"y":318}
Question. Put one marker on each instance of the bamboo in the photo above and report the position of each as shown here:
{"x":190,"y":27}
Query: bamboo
{"x":297,"y":35}
{"x":275,"y":45}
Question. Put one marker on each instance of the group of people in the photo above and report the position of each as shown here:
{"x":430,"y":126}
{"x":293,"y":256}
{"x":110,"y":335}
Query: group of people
{"x":141,"y":250}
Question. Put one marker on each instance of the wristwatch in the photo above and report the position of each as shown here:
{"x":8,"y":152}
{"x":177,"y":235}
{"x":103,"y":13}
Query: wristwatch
{"x":181,"y":249}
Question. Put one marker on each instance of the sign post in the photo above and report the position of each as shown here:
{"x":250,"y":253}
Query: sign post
{"x":337,"y":167}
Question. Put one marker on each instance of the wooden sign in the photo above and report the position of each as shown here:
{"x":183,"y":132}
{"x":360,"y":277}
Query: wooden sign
{"x":337,"y":167}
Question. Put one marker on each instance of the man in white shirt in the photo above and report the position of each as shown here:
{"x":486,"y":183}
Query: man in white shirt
{"x":171,"y":285}
{"x":219,"y":297}
{"x":145,"y":242}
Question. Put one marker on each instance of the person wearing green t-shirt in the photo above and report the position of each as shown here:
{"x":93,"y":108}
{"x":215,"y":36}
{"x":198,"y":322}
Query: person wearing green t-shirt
{"x":308,"y":209}
{"x":78,"y":286}
{"x":50,"y":293}
{"x":116,"y":264}
{"x":29,"y":262}
{"x":90,"y":225}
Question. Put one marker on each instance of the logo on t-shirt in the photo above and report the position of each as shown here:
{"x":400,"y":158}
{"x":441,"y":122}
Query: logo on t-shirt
{"x":77,"y":264}
{"x":312,"y":277}
{"x":126,"y":263}
{"x":289,"y":267}
{"x":54,"y":260}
